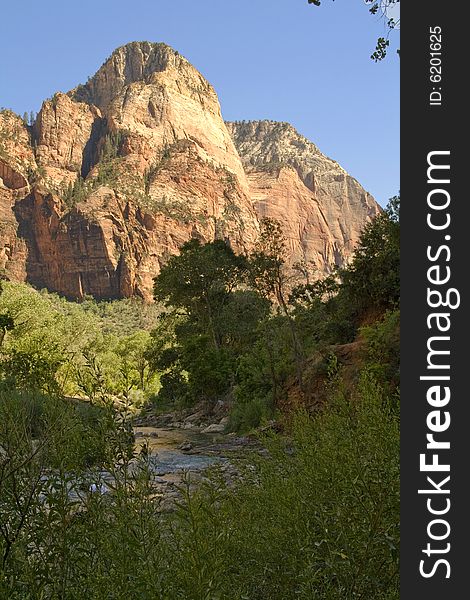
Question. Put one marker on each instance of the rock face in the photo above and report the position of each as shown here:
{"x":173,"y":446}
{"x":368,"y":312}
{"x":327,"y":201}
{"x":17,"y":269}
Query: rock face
{"x":114,"y":176}
{"x":323,"y":209}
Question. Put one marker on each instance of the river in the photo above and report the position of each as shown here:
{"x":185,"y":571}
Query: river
{"x":176,"y":451}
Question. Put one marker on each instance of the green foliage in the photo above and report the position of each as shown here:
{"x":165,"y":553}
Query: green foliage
{"x":329,"y":311}
{"x":373,"y":277}
{"x":33,"y":370}
{"x":174,"y":208}
{"x":151,"y":172}
{"x":174,"y":389}
{"x":268,"y":275}
{"x":199,"y":281}
{"x":383,"y":349}
{"x":134,"y":366}
{"x":67,"y":435}
{"x":7,"y":323}
{"x":91,"y":349}
{"x":123,"y":317}
{"x":323,"y":513}
{"x":261,"y":375}
{"x":75,"y":192}
{"x":51,"y":451}
{"x":317,"y":518}
{"x":240,"y":329}
{"x":381,"y":48}
{"x":322,"y":317}
{"x":29,"y":118}
{"x":247,"y":416}
{"x":267,"y":271}
{"x":111,"y":145}
{"x":214,"y":322}
{"x":107,"y":174}
{"x":239,"y":317}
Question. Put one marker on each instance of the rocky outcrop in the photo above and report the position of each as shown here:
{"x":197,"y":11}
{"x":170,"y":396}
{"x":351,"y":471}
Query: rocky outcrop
{"x":65,"y":133}
{"x":321,"y":207}
{"x":114,"y":176}
{"x":17,"y":162}
{"x":156,"y":98}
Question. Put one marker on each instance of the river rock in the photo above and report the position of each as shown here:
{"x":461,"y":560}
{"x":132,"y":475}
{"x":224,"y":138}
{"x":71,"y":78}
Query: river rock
{"x":214,"y":428}
{"x":197,"y":416}
{"x":185,"y":447}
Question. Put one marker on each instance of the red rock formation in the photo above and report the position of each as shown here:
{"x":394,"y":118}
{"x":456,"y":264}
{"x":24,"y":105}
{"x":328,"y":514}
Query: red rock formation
{"x":117,"y":174}
{"x":321,"y":207}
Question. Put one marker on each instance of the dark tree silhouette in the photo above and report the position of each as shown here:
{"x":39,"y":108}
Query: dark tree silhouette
{"x":382,"y":8}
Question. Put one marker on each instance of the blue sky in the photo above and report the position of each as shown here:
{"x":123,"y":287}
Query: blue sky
{"x":284,"y":60}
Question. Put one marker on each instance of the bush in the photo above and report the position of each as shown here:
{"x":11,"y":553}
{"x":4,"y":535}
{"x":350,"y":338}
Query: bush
{"x":174,"y":389}
{"x":247,"y":416}
{"x":372,"y":280}
{"x":383,"y":349}
{"x":31,"y":370}
{"x":71,"y":435}
{"x":318,"y":519}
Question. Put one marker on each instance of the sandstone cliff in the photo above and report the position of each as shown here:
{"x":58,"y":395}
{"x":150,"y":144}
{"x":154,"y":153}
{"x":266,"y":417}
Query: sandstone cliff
{"x":115,"y":175}
{"x":322,"y":208}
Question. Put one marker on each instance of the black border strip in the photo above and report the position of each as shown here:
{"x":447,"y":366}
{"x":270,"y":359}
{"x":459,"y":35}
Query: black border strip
{"x":430,"y":124}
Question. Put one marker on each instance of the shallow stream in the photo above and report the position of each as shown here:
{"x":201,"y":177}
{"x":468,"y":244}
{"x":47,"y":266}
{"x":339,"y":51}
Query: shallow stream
{"x":166,"y":455}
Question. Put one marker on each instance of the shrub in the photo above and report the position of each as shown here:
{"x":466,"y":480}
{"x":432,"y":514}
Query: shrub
{"x":318,"y":519}
{"x":247,"y":416}
{"x":383,"y":349}
{"x":324,"y":515}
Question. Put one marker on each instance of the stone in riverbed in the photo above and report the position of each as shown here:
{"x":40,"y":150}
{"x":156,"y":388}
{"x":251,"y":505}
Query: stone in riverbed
{"x":166,"y":418}
{"x":160,"y":480}
{"x":185,"y":447}
{"x":197,"y":416}
{"x":214,"y":428}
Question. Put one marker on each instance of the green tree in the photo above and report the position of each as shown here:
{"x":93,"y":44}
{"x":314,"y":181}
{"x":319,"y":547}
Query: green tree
{"x":212,"y":321}
{"x":32,"y":370}
{"x":135,"y":367}
{"x":270,"y":275}
{"x":329,"y":311}
{"x":199,"y":281}
{"x":92,"y":349}
{"x":372,"y":280}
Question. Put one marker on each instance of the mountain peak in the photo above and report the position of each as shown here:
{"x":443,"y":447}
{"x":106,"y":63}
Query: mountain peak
{"x":130,"y":63}
{"x":128,"y":167}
